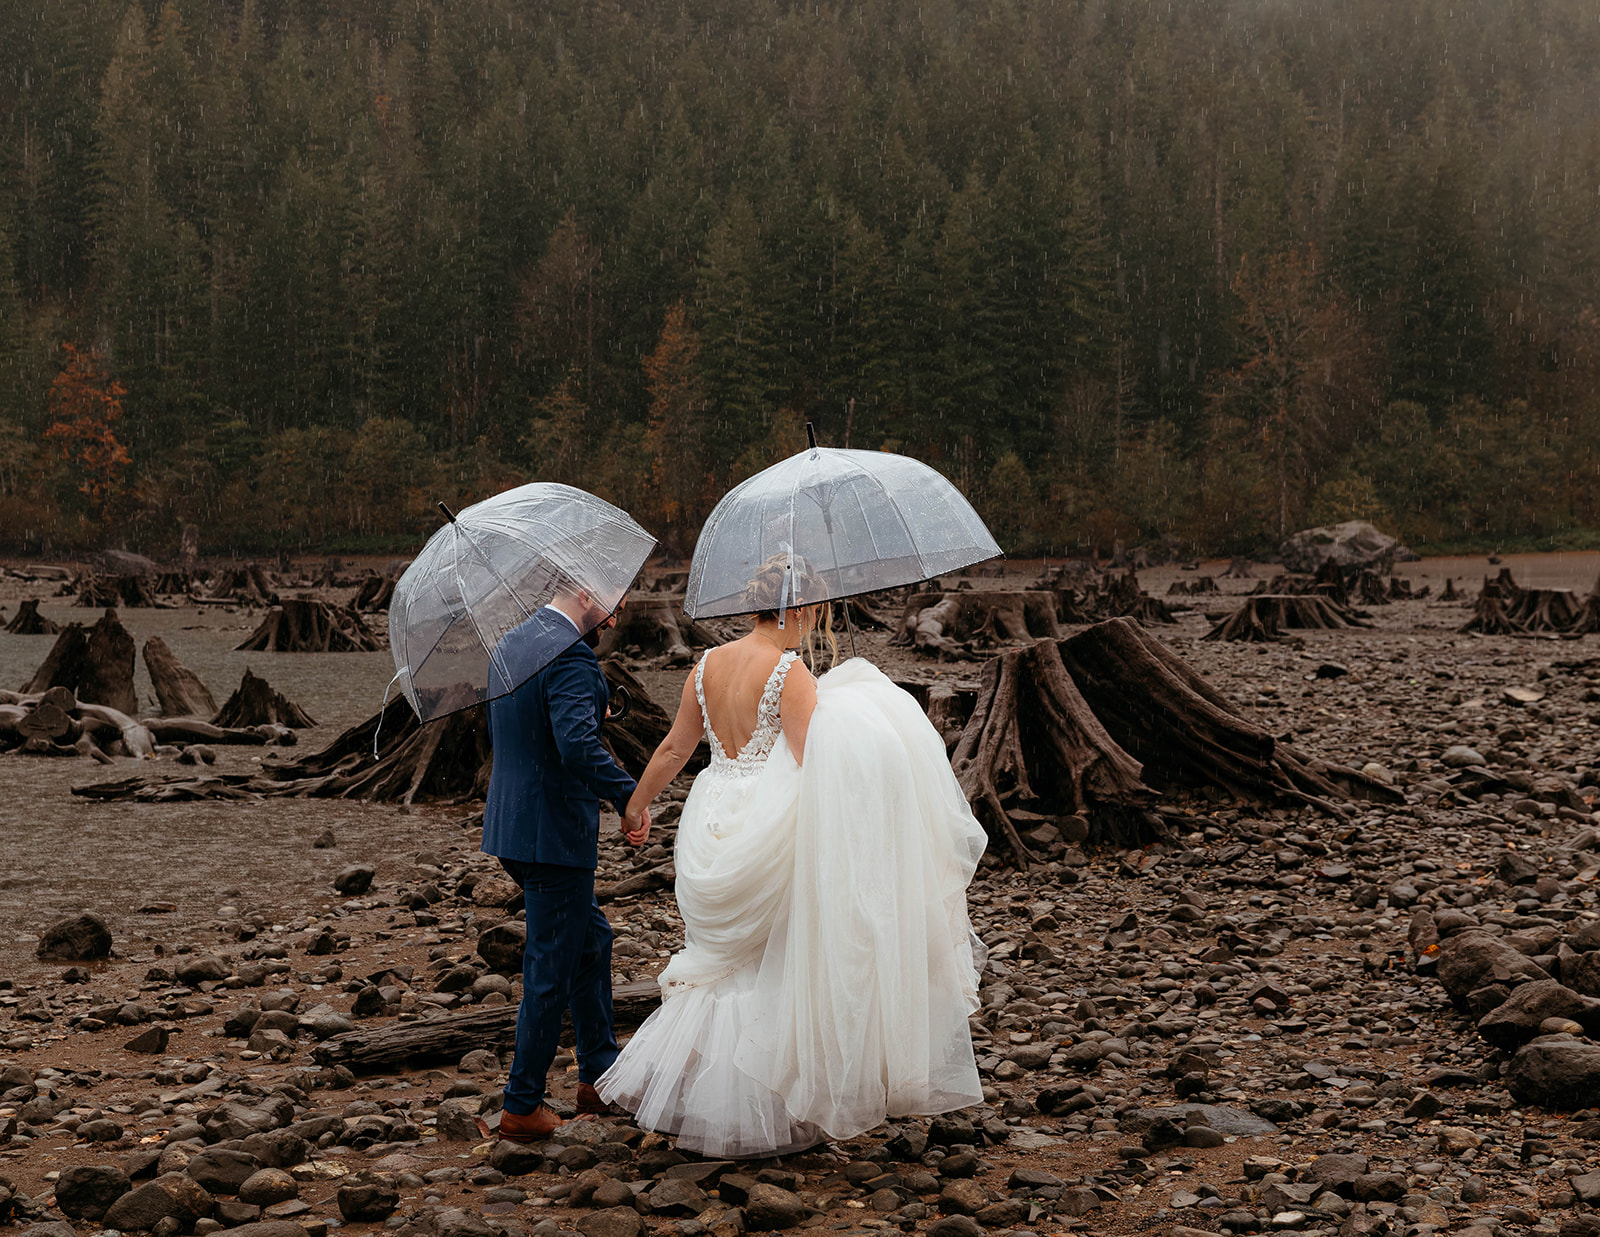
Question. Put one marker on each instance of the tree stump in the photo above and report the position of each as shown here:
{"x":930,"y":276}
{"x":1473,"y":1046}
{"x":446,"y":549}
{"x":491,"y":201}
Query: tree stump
{"x":1451,"y":593}
{"x":131,"y":591}
{"x":1239,"y":569}
{"x":633,"y":739}
{"x":657,"y":625}
{"x":1125,"y":599}
{"x":1031,"y":728}
{"x":95,"y":665}
{"x":373,"y":595}
{"x":305,"y":625}
{"x":1262,"y":618}
{"x":178,"y":688}
{"x":1371,"y":590}
{"x":248,"y":584}
{"x":1197,"y":587}
{"x":1506,"y":608}
{"x":27,"y":621}
{"x":952,"y":624}
{"x":254,"y":703}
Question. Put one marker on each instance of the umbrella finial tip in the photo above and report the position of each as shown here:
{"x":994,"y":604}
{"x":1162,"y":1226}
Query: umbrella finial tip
{"x":811,"y":435}
{"x":448,"y":514}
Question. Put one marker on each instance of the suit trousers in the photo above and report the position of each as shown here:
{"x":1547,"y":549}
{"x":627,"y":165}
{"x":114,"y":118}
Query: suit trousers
{"x":566,"y":964}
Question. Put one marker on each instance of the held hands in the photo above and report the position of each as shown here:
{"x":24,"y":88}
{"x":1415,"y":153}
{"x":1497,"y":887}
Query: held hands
{"x":636,"y":828}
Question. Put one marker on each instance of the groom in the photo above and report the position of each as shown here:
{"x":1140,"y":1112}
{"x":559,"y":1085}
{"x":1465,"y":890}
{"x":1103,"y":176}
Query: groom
{"x":542,"y":822}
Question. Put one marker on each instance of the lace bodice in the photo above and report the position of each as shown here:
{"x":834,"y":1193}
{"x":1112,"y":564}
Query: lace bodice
{"x":768,"y":724}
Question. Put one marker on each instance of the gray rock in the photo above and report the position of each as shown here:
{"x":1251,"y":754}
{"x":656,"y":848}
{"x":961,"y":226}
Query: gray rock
{"x":1556,"y":1072}
{"x":678,"y":1197}
{"x":1472,"y":959}
{"x":78,"y":939}
{"x":1460,"y":756}
{"x":956,"y":1226}
{"x":612,"y":1222}
{"x":514,"y":1159}
{"x":268,"y":1186}
{"x":236,"y":1120}
{"x":1223,"y":1118}
{"x":85,"y":1192}
{"x":770,"y":1207}
{"x":370,"y":1199}
{"x":501,"y":946}
{"x":171,"y":1194}
{"x":1336,"y":1171}
{"x":1517,"y":1019}
{"x":354,"y":880}
{"x":457,"y":1121}
{"x":201,"y":969}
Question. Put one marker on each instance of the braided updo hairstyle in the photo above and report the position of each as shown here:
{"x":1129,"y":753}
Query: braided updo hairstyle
{"x":764,"y":594}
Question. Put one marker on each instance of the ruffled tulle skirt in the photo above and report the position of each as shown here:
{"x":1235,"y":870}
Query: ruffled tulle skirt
{"x":829,"y":966}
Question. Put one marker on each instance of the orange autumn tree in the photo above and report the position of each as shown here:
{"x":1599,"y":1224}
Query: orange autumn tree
{"x":85,"y":405}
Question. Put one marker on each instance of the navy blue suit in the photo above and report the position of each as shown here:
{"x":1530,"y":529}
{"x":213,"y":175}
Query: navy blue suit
{"x":542,"y":822}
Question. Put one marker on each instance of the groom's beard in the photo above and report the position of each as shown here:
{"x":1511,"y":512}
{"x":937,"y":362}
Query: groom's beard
{"x":592,"y":637}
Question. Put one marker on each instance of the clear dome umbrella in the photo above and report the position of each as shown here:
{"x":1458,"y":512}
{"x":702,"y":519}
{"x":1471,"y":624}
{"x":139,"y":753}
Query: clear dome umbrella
{"x":835,"y":523}
{"x":459,"y":622}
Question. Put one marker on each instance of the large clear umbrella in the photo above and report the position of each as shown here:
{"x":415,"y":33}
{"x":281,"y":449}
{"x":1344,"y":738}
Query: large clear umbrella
{"x":836,"y":523}
{"x":465,"y":624}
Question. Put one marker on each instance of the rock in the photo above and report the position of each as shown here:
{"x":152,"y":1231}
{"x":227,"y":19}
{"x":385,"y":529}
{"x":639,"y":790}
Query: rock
{"x":458,"y":1119}
{"x":964,"y":1197}
{"x":957,"y":1226}
{"x":85,"y":1192}
{"x":80,"y":939}
{"x":766,"y":1208}
{"x":514,"y":1159}
{"x":236,"y":1120}
{"x":222,"y":1170}
{"x":678,"y":1197}
{"x":1474,"y":959}
{"x":152,"y":1041}
{"x":1457,"y":1139}
{"x":1335,"y":1171}
{"x":172,"y":1194}
{"x":370,"y":1199}
{"x":1379,"y":1187}
{"x":355,"y":880}
{"x":1586,"y":1187}
{"x":268,"y":1186}
{"x":501,"y":946}
{"x":1519,"y":1017}
{"x":1556,"y":1072}
{"x":612,"y":1222}
{"x":951,"y":1129}
{"x":269,"y":1228}
{"x":200,"y":969}
{"x":1351,"y":545}
{"x":1460,"y":756}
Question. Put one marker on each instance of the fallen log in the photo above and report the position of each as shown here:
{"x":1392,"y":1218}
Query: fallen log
{"x":952,"y":624}
{"x":188,"y":730}
{"x":254,"y":703}
{"x":452,"y":1036}
{"x":305,"y":625}
{"x":178,"y":689}
{"x":27,"y":621}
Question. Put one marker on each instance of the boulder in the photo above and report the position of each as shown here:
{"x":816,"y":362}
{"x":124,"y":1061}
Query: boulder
{"x":368,"y":1199}
{"x":222,"y":1170}
{"x":501,"y":946}
{"x":85,"y":1192}
{"x":79,"y":939}
{"x":1473,"y":959}
{"x":770,"y":1207}
{"x":1556,"y":1071}
{"x":612,"y":1222}
{"x":1518,"y":1018}
{"x":171,"y":1194}
{"x":1350,"y":546}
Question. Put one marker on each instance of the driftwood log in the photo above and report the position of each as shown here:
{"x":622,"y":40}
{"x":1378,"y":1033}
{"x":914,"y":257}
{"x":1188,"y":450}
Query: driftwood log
{"x":178,"y":689}
{"x":27,"y":621}
{"x":1109,"y":724}
{"x":96,"y":664}
{"x":1264,"y":618}
{"x":373,"y":594}
{"x":54,"y":722}
{"x":305,"y":625}
{"x":656,"y":625}
{"x":254,"y":703}
{"x":451,"y":1036}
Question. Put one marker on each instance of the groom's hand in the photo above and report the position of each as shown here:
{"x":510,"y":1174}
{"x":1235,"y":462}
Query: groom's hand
{"x":635,"y":832}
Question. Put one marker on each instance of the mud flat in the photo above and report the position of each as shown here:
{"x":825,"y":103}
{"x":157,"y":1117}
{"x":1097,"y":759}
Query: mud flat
{"x":1243,"y":1030}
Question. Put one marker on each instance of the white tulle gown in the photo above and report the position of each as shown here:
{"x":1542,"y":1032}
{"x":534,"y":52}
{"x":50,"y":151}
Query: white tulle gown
{"x":829,"y":966}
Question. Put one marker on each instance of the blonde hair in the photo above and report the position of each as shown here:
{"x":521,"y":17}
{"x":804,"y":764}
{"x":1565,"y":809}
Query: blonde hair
{"x":765,"y":594}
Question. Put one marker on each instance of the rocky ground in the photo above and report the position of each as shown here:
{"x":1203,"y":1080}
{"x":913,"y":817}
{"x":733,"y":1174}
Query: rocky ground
{"x":1283,"y":1021}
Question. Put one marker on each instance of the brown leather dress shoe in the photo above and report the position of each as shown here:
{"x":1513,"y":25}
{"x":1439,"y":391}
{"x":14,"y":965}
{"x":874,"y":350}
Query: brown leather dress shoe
{"x":529,"y":1127}
{"x":590,"y":1104}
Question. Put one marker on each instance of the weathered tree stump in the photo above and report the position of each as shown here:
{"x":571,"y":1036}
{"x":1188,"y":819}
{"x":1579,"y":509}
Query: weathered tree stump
{"x":1451,"y":593}
{"x":171,"y":583}
{"x":1263,"y":618}
{"x":657,"y":625}
{"x":1125,"y":599}
{"x":951,"y":624}
{"x":248,"y":584}
{"x":95,"y":665}
{"x":1489,"y":618}
{"x":1506,"y":608}
{"x":305,"y":625}
{"x":254,"y":703}
{"x":1032,"y":740}
{"x":1197,"y":587}
{"x":178,"y":688}
{"x":27,"y":621}
{"x":1370,"y":589}
{"x":1239,"y":569}
{"x":373,"y":595}
{"x":130,"y":591}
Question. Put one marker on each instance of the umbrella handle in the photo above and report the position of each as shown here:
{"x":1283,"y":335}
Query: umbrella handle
{"x":621,"y":703}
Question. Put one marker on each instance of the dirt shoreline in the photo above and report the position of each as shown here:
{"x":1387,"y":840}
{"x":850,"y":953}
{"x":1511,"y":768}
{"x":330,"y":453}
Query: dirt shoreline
{"x":1316,"y":1021}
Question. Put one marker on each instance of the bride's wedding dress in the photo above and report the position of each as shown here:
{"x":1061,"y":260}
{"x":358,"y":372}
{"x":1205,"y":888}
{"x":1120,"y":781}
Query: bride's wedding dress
{"x":828,"y":968}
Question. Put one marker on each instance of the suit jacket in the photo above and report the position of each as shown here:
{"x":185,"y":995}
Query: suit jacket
{"x":550,"y":770}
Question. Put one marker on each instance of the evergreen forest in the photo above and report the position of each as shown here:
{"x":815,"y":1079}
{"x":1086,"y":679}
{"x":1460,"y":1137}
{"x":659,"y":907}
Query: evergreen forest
{"x":1199,"y":272}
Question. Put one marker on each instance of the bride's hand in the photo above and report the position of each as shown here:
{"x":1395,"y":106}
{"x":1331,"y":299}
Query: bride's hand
{"x":635,"y":829}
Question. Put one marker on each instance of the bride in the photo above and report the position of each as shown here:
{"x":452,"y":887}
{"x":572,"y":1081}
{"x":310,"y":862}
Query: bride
{"x":823,"y":857}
